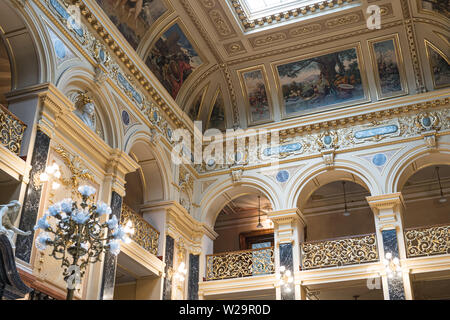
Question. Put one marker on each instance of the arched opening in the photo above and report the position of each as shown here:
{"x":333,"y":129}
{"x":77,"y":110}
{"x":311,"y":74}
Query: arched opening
{"x":338,"y":209}
{"x":245,"y":244}
{"x":427,"y":197}
{"x":135,"y":281}
{"x":426,"y":221}
{"x":5,"y":73}
{"x":243,"y":224}
{"x":340,"y":231}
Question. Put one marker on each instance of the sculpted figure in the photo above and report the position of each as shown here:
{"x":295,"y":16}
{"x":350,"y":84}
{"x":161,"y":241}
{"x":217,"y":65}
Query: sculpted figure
{"x":86,"y":111}
{"x":8,"y":215}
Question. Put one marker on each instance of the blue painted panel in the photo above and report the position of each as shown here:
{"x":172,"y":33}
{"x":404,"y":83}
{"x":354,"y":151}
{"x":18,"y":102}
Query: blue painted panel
{"x":282,"y":176}
{"x":379,"y":159}
{"x":61,"y":10}
{"x":292,"y":147}
{"x":363,"y":134}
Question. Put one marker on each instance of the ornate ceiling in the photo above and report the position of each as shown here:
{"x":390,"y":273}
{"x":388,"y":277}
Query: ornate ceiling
{"x":230,"y":68}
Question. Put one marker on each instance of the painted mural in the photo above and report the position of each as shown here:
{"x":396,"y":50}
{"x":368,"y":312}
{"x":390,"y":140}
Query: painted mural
{"x":437,"y":6}
{"x":217,"y":117}
{"x":194,"y":109}
{"x":173,"y":59}
{"x":254,"y":88}
{"x":133,"y":18}
{"x":387,"y":68}
{"x":440,"y":67}
{"x":322,"y":81}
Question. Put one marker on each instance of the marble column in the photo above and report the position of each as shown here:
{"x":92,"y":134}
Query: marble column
{"x":395,"y":284}
{"x":194,"y":264}
{"x":110,"y":262}
{"x":169,"y":252}
{"x":287,"y":260}
{"x":30,"y":208}
{"x":388,"y":211}
{"x":289,"y":233}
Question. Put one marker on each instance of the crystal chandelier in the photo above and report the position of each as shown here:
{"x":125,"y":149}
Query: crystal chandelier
{"x":77,"y":235}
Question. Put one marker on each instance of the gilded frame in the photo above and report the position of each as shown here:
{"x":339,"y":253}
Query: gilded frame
{"x":214,"y":100}
{"x":400,"y":63}
{"x":241,"y":72}
{"x":362,"y":69}
{"x":194,"y":44}
{"x":428,"y":45}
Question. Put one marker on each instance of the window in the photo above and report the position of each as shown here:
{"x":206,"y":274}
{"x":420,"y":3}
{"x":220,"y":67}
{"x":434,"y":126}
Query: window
{"x":260,"y":8}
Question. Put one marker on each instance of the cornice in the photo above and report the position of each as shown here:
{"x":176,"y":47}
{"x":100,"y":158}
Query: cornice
{"x":287,"y":216}
{"x":386,"y":201}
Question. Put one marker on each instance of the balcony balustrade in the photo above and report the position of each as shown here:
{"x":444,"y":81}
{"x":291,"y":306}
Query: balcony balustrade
{"x":339,"y":252}
{"x":145,"y":234}
{"x":427,"y":241}
{"x":12,"y":130}
{"x":238,"y":264}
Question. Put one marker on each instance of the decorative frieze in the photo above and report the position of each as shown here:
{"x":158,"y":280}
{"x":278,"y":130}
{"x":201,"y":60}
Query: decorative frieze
{"x":320,"y":140}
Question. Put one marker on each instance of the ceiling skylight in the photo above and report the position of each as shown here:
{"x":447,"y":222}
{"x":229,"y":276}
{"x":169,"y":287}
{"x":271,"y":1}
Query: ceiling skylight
{"x":259,"y":8}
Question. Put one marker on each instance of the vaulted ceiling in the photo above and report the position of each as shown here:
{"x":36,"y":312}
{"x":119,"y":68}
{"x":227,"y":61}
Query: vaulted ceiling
{"x":225,"y":62}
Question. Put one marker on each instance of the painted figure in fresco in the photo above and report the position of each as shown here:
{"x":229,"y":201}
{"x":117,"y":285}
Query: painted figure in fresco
{"x":8,"y":216}
{"x":171,"y":63}
{"x":320,"y":81}
{"x":135,"y":7}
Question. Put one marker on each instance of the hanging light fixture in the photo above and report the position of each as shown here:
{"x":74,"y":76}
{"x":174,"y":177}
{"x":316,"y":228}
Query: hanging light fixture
{"x":259,"y":226}
{"x":346,"y":213}
{"x":442,"y":199}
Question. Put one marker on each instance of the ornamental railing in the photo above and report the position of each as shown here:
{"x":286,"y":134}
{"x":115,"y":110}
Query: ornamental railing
{"x":239,"y":264}
{"x":427,"y":241}
{"x":11,"y":129}
{"x":339,"y":252}
{"x":145,"y":234}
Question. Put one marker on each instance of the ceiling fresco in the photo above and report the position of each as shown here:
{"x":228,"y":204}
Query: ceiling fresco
{"x":237,"y":63}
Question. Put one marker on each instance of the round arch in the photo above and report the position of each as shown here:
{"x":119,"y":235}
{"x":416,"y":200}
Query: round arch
{"x":309,"y":180}
{"x":81,"y":79}
{"x":411,"y":161}
{"x":28,"y":52}
{"x":220,"y":193}
{"x":139,"y":140}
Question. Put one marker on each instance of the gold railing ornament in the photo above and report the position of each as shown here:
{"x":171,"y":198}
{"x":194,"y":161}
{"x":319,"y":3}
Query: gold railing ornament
{"x":145,"y":234}
{"x":427,"y":241}
{"x":239,"y":264}
{"x":339,"y":252}
{"x":12,"y":130}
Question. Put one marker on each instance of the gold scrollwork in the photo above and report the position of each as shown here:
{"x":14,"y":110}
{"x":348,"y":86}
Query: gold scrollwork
{"x":427,"y":241}
{"x":339,"y":252}
{"x":12,"y":130}
{"x":77,"y":170}
{"x":240,"y":264}
{"x":145,"y":235}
